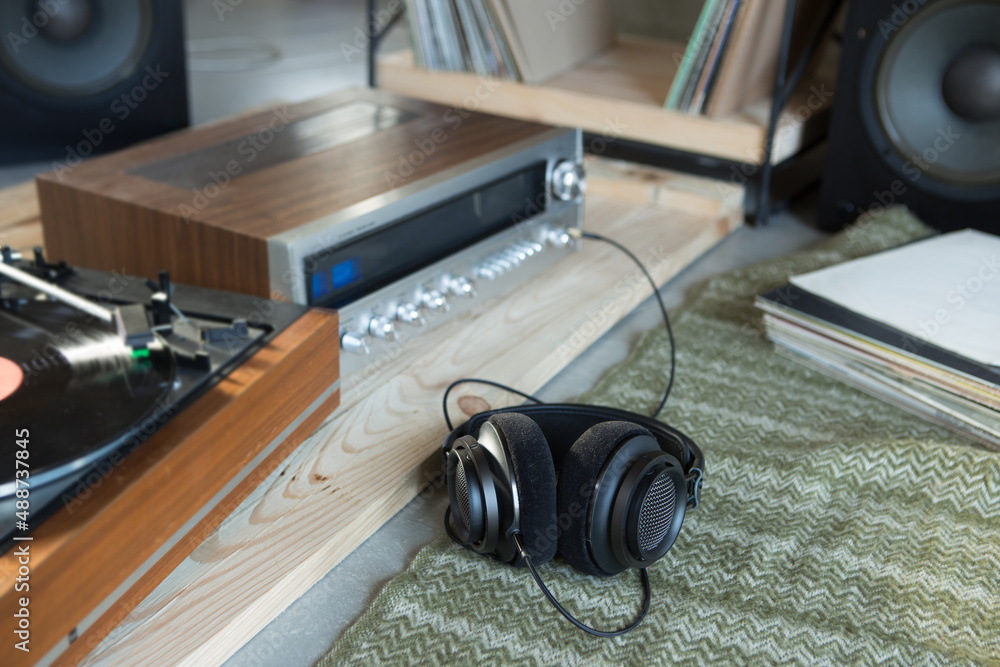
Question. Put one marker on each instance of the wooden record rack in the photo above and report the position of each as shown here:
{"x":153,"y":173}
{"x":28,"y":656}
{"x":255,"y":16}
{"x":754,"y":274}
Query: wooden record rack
{"x":100,"y":555}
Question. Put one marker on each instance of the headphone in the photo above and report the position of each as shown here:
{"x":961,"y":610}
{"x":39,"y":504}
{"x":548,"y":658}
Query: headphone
{"x":607,"y":489}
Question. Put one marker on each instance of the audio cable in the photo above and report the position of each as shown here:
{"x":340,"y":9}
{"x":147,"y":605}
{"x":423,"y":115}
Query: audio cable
{"x":580,"y":234}
{"x":646,"y":596}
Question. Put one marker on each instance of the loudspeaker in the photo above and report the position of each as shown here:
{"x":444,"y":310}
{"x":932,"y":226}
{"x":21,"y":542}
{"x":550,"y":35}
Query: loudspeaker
{"x":79,"y":77}
{"x":916,"y":117}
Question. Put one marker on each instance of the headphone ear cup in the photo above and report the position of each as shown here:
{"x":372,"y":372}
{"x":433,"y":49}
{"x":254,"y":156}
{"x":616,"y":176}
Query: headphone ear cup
{"x":578,"y":476}
{"x":535,"y":479}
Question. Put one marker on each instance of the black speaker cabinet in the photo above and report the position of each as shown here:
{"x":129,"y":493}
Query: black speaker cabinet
{"x":916,"y":117}
{"x":80,"y":77}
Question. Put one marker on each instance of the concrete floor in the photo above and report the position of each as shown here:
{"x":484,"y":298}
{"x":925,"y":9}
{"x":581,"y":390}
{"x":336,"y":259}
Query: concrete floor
{"x":291,"y":50}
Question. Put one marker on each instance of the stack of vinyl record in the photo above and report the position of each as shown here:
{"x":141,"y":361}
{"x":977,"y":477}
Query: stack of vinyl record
{"x":917,"y":326}
{"x":522,"y":40}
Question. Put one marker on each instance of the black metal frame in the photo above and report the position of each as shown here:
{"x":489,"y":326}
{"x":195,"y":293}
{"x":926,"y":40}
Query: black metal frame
{"x":376,"y":35}
{"x":765,"y":183}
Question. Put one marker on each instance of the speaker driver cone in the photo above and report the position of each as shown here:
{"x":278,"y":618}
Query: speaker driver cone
{"x":934,"y":110}
{"x":73,"y":48}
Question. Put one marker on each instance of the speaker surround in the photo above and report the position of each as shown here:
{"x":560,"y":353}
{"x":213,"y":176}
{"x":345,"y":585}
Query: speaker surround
{"x":80,"y":77}
{"x":916,"y":119}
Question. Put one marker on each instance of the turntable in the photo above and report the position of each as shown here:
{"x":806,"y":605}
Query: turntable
{"x":135,"y":422}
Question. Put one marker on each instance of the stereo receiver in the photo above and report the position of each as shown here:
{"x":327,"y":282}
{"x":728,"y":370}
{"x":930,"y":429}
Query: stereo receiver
{"x":397,"y":212}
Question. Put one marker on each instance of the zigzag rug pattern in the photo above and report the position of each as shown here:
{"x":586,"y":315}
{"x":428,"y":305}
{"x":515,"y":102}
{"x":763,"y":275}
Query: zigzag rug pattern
{"x":833,"y":529}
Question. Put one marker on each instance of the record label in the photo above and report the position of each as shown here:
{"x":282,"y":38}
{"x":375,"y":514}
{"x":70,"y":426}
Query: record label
{"x":11,"y":377}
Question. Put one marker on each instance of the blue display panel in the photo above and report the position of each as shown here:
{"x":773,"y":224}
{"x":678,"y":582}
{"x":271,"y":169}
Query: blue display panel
{"x":337,"y":276}
{"x":346,"y":272}
{"x":320,"y":285}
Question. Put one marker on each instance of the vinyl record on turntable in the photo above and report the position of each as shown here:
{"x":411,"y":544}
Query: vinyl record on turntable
{"x":77,"y":388}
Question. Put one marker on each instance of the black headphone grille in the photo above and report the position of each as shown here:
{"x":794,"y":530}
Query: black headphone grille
{"x":657,"y":512}
{"x":462,"y":494}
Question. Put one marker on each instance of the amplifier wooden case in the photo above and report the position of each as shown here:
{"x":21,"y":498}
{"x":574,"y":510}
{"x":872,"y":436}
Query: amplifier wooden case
{"x":206,"y":203}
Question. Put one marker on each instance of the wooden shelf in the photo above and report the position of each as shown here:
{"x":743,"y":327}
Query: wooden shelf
{"x":620,"y":94}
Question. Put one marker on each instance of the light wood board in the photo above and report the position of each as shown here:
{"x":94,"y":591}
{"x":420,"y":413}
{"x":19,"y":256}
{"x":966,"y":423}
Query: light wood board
{"x":620,"y":94}
{"x":380,"y":449}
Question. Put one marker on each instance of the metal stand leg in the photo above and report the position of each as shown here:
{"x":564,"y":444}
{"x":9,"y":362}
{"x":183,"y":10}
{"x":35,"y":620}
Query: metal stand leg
{"x":778,"y":100}
{"x":377,"y":35}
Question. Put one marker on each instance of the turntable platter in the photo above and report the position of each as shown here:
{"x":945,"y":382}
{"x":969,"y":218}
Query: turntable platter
{"x":77,"y":388}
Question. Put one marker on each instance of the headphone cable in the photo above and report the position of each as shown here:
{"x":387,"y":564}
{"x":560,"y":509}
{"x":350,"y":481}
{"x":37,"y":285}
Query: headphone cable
{"x":574,"y":232}
{"x":491,"y":383}
{"x":643,"y":575}
{"x":579,"y":234}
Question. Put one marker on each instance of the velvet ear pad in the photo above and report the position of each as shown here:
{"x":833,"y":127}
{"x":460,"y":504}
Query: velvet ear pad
{"x":577,"y":476}
{"x":535,"y":476}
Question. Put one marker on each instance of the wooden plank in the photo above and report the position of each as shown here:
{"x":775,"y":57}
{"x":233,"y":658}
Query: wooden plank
{"x":637,"y":70}
{"x":103,"y":552}
{"x":594,"y":112}
{"x":365,"y":464}
{"x":643,"y":184}
{"x":620,"y":94}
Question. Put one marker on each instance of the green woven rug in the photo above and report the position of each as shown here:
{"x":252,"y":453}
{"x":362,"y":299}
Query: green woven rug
{"x":833,"y":528}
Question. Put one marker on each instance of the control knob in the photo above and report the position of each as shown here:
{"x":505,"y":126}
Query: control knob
{"x":410,"y":314}
{"x":354,"y":343}
{"x":434,"y":300}
{"x":382,"y":327}
{"x":568,"y":180}
{"x":461,"y":286}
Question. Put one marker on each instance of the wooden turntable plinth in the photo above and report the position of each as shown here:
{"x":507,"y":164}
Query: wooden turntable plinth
{"x":105,"y":549}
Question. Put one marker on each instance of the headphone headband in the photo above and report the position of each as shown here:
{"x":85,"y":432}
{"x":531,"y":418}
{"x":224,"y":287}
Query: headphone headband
{"x":563,"y":423}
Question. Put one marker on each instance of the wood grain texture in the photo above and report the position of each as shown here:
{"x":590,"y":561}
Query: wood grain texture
{"x":619,"y":93}
{"x":101,"y":215}
{"x":362,"y":466}
{"x":169,"y":486}
{"x":643,"y":184}
{"x":20,"y":222}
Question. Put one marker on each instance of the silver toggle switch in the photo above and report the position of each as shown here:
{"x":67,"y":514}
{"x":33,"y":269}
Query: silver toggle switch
{"x":515,"y":255}
{"x":410,"y":314}
{"x":382,"y":327}
{"x":354,"y":343}
{"x":529,"y":248}
{"x":434,"y":300}
{"x":461,"y":286}
{"x":500,"y":263}
{"x":558,"y":237}
{"x":487,"y":272}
